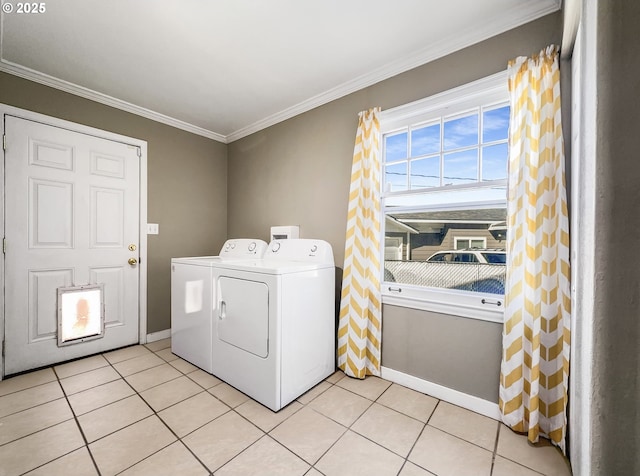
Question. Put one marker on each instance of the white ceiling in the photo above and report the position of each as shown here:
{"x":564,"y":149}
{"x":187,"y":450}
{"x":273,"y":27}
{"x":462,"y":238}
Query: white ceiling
{"x":226,"y":68}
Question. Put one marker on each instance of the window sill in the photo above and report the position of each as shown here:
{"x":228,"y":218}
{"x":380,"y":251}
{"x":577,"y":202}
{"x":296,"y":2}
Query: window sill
{"x":479,"y":306}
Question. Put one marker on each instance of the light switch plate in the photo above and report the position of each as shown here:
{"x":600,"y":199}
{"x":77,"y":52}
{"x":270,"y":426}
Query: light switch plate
{"x":153,"y":228}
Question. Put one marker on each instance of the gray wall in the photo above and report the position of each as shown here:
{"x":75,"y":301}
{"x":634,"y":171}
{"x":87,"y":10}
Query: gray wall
{"x":187,"y":188}
{"x":298,"y":172}
{"x":447,"y":350}
{"x":615,"y":392}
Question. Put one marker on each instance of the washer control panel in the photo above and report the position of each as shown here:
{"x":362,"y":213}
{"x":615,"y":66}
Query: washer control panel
{"x":243,"y":248}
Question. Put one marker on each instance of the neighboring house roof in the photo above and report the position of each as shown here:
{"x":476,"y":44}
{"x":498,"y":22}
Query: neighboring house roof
{"x":394,"y":225}
{"x":433,"y":221}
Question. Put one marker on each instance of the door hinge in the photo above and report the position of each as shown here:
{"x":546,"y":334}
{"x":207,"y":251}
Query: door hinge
{"x":4,"y":246}
{"x":3,"y":341}
{"x":139,"y":152}
{"x":4,"y":142}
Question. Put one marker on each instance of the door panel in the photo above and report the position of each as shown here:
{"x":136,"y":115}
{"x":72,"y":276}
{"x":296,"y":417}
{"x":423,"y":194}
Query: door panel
{"x":243,"y":314}
{"x":71,"y":212}
{"x":50,"y":214}
{"x":43,"y":285}
{"x":50,"y":154}
{"x":108,"y":166}
{"x":107,"y":218}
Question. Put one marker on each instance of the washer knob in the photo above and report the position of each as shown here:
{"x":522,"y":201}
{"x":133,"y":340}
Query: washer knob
{"x":226,"y":247}
{"x":252,"y":246}
{"x":275,"y":247}
{"x":314,"y":248}
{"x":233,"y":245}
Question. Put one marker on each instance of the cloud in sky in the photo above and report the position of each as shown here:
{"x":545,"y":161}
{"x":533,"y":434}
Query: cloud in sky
{"x":425,"y":140}
{"x":495,"y":124}
{"x":461,"y":132}
{"x":395,"y":147}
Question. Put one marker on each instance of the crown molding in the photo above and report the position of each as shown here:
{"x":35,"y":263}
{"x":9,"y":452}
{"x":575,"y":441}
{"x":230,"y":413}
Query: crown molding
{"x":45,"y":79}
{"x":512,"y":18}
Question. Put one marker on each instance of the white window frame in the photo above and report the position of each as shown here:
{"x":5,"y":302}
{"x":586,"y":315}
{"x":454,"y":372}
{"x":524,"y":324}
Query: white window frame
{"x":395,"y":245}
{"x":483,"y":92}
{"x":456,"y":239}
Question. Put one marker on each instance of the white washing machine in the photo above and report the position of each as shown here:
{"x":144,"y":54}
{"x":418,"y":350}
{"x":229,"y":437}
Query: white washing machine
{"x":275,"y":321}
{"x":193,"y":301}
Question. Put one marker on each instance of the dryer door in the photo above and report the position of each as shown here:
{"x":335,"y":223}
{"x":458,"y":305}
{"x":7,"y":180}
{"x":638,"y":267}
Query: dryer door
{"x":243,"y":314}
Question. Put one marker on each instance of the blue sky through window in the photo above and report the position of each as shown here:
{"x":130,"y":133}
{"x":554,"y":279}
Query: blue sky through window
{"x":461,"y":132}
{"x":494,"y":161}
{"x":425,"y":172}
{"x":460,"y":167}
{"x":395,"y":147}
{"x":395,"y":177}
{"x":425,"y":140}
{"x":495,"y":124}
{"x":448,"y":152}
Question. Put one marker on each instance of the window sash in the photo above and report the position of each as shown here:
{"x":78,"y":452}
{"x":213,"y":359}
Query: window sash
{"x":407,"y":159}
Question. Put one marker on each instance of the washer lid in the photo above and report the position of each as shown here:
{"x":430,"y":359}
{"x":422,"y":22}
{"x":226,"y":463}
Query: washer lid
{"x":236,"y":249}
{"x":197,"y":260}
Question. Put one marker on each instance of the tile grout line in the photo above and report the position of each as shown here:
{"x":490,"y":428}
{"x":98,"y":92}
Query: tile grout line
{"x":34,"y":406}
{"x":495,"y":450}
{"x":418,"y":439}
{"x":500,"y":428}
{"x":178,"y":439}
{"x":348,"y":428}
{"x":75,"y":418}
{"x":43,"y":429}
{"x":313,"y":465}
{"x":121,"y":377}
{"x":321,"y":414}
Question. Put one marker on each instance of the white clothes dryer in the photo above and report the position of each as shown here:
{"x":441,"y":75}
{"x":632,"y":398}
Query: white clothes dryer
{"x":275,"y":321}
{"x":192,"y":299}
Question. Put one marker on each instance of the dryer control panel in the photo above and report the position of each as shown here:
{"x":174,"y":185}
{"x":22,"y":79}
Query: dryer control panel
{"x":301,"y":249}
{"x":241,"y":248}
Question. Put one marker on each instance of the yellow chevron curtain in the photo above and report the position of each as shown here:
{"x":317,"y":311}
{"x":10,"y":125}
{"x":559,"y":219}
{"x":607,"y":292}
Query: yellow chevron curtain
{"x":536,"y":336}
{"x":359,"y":325}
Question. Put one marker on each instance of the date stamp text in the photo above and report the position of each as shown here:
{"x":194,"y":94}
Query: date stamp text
{"x":33,"y":8}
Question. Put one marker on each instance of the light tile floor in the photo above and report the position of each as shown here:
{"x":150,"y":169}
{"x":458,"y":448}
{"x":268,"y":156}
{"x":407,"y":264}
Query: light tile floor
{"x":143,"y":411}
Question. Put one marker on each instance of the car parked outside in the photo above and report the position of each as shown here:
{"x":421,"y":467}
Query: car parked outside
{"x":473,"y":255}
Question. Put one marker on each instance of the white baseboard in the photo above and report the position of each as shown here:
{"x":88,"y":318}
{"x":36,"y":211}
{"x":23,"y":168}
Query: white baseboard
{"x":455,"y":397}
{"x":154,"y":336}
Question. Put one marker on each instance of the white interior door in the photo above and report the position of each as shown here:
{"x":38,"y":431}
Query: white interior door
{"x":72,"y":204}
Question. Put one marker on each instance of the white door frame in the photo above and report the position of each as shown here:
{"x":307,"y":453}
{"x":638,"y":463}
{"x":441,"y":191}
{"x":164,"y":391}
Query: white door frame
{"x":52,"y":121}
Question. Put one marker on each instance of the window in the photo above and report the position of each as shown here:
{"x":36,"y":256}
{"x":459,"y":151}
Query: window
{"x":444,"y":200}
{"x":466,"y":243}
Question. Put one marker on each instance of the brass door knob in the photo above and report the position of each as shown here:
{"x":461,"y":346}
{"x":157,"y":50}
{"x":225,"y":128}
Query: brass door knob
{"x":132,"y":261}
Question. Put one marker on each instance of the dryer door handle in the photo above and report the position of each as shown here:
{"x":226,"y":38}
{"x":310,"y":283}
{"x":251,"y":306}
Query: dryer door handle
{"x":222,"y":310}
